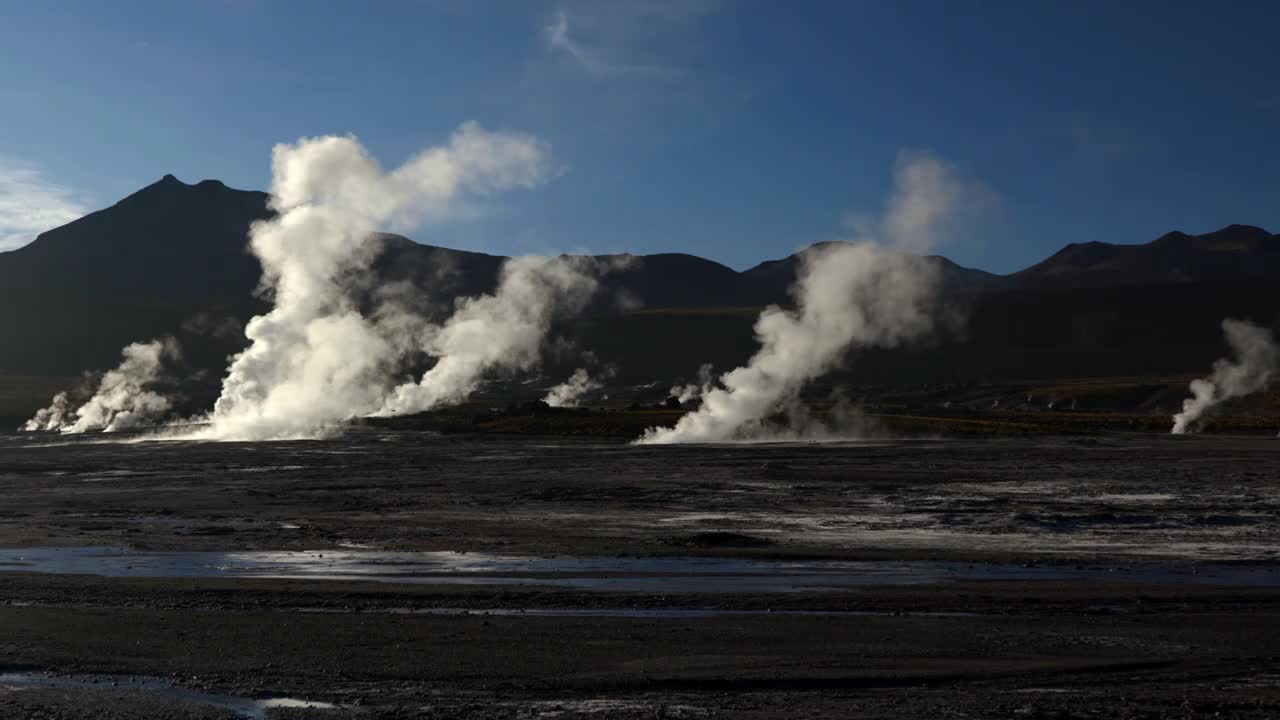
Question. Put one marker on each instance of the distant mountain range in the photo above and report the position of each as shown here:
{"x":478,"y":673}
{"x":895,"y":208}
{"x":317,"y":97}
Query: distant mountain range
{"x":1234,"y":254}
{"x":172,"y":259}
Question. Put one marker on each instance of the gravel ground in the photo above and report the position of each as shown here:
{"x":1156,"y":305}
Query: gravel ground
{"x":217,"y":647}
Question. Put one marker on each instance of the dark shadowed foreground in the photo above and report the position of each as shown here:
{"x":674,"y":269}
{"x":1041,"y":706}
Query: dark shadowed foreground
{"x":393,"y":574}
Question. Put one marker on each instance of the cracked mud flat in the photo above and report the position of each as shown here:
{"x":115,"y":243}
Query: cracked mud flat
{"x":482,"y":577}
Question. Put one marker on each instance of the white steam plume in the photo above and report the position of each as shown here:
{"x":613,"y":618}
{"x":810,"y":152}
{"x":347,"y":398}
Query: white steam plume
{"x":503,"y":332}
{"x":859,"y":295}
{"x":123,"y":398}
{"x":315,"y":359}
{"x":1257,"y":358}
{"x":693,"y":391}
{"x":58,"y":415}
{"x":570,"y":392}
{"x":855,"y":295}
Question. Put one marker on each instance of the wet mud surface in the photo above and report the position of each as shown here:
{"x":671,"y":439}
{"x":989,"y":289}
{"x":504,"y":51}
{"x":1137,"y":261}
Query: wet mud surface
{"x":398,"y":574}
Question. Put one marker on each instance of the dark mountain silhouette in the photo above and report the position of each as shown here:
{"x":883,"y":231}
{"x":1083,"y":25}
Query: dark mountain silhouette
{"x":172,"y":259}
{"x":166,"y":255}
{"x":1234,"y":254}
{"x":167,"y":237}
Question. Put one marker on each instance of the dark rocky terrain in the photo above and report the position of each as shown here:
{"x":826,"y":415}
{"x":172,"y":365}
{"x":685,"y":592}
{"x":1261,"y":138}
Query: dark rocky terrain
{"x":420,"y":576}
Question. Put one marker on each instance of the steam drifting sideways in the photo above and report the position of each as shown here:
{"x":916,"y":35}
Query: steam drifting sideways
{"x":1257,"y":359}
{"x":124,"y":398}
{"x":315,"y":359}
{"x":869,"y":293}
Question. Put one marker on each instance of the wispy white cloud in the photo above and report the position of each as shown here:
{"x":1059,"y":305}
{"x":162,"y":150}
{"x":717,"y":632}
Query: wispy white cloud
{"x":558,"y":37}
{"x":636,"y":38}
{"x":595,"y":60}
{"x":30,"y":204}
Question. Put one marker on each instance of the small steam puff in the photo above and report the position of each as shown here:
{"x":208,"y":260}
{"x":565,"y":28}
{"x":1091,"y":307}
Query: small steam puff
{"x":59,"y":414}
{"x":503,"y":332}
{"x":315,"y":359}
{"x":122,"y":399}
{"x":1257,"y":358}
{"x":858,"y":295}
{"x":571,"y":392}
{"x":693,"y":391}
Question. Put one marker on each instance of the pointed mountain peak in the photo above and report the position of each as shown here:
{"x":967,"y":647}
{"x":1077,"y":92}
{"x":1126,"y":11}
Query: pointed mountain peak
{"x":168,"y":182}
{"x":1172,"y":237}
{"x":166,"y":186}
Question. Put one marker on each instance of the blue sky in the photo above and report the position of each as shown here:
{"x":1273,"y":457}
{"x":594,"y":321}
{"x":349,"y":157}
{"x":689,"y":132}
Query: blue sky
{"x":734,"y":129}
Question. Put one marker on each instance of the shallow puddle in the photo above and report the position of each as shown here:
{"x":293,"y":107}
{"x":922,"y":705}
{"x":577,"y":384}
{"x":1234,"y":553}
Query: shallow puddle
{"x":621,"y":574}
{"x":244,"y":707}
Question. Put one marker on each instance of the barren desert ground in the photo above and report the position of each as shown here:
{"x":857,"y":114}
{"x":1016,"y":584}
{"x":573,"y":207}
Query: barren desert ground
{"x":387,"y":573}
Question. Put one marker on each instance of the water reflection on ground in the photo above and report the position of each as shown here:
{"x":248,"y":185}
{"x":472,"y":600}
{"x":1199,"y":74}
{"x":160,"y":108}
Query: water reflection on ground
{"x":621,"y":574}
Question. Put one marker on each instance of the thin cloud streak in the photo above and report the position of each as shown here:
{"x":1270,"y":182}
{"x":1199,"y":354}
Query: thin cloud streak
{"x":607,"y":40}
{"x":31,"y":204}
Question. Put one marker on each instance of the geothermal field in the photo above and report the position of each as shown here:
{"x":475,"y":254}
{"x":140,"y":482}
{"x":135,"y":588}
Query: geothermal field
{"x":639,"y":360}
{"x":397,"y":481}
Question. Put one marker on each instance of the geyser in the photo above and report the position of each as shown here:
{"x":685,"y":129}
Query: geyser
{"x":865,"y":294}
{"x":501,"y":332}
{"x":1256,"y":359}
{"x":123,"y":398}
{"x":571,"y":392}
{"x":336,"y":344}
{"x":315,"y":359}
